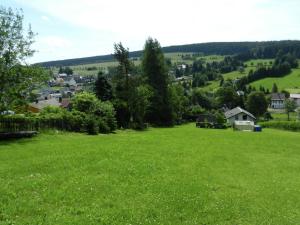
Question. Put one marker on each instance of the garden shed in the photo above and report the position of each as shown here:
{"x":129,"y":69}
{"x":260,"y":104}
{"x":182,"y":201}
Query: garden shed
{"x":243,"y":125}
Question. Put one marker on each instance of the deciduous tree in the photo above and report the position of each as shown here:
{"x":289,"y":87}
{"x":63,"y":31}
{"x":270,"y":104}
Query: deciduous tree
{"x":17,"y":79}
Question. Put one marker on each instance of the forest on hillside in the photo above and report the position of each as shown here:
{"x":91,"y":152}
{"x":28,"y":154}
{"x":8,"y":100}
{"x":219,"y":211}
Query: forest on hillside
{"x":267,"y":49}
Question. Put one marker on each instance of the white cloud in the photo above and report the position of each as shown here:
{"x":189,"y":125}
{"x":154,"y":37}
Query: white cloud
{"x":45,"y":18}
{"x":175,"y":21}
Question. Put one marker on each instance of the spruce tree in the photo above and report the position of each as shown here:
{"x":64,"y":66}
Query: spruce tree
{"x":154,"y":69}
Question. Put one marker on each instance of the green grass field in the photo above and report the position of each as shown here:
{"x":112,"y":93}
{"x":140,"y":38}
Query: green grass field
{"x":181,"y":175}
{"x":290,"y":82}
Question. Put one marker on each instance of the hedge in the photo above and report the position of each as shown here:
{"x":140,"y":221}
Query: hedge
{"x":69,"y":121}
{"x":284,"y":125}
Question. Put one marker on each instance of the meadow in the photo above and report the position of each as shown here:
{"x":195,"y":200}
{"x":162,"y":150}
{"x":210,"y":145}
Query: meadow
{"x":290,"y":82}
{"x":181,"y":175}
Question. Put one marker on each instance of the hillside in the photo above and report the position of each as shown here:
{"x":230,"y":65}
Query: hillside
{"x":290,"y":82}
{"x":212,"y":48}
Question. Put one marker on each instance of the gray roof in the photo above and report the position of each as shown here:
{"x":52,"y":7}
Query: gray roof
{"x":237,"y":111}
{"x":277,"y":96}
{"x":45,"y":103}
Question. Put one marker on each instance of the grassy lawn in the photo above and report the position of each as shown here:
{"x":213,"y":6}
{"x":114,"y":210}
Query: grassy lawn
{"x":181,"y":175}
{"x":290,"y":82}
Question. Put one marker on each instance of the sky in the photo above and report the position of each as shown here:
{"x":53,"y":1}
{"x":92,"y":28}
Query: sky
{"x":80,"y":28}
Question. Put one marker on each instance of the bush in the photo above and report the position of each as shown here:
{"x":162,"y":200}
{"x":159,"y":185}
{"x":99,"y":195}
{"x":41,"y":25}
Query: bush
{"x":15,"y":123}
{"x":103,"y":127}
{"x":91,"y":125}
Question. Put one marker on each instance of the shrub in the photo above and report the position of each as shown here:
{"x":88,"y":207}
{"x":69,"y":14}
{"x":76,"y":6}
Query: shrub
{"x":91,"y":125}
{"x":106,"y":112}
{"x":15,"y":123}
{"x":103,"y":127}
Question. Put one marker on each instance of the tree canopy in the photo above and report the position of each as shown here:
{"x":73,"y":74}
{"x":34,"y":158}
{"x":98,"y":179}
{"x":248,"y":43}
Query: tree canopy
{"x":154,"y":69}
{"x":17,"y":79}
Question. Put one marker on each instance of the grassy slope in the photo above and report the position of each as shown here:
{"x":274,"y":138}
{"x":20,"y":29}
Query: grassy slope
{"x":289,"y":82}
{"x":181,"y":175}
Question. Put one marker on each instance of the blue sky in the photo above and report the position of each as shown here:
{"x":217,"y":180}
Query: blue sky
{"x":79,"y":28}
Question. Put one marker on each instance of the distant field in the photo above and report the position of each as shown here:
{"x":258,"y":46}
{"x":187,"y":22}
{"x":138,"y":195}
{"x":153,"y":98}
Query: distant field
{"x":167,"y":176}
{"x":175,"y":57}
{"x":290,"y":82}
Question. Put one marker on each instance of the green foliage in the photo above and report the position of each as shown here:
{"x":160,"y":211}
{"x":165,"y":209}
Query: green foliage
{"x":274,"y":88}
{"x":138,"y":104}
{"x":67,"y":70}
{"x":289,"y":106}
{"x":52,"y":110}
{"x":154,"y":69}
{"x":105,"y":112}
{"x":227,"y":96}
{"x":84,"y":102}
{"x":200,"y":98}
{"x":199,"y":79}
{"x":283,"y":125}
{"x":103,"y":88}
{"x":91,"y":124}
{"x":17,"y":79}
{"x":193,"y":112}
{"x":220,"y":117}
{"x":179,"y":102}
{"x":267,"y":116}
{"x":257,"y":103}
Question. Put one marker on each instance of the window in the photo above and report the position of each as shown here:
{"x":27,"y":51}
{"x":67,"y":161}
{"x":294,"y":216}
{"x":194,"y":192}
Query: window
{"x":237,"y":117}
{"x":244,"y":117}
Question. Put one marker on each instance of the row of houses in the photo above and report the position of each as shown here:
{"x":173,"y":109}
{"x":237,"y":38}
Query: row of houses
{"x":278,"y":99}
{"x":70,"y":80}
{"x":38,"y":106}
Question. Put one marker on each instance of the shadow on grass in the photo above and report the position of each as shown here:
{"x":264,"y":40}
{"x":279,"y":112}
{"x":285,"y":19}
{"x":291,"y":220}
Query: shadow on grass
{"x":22,"y":141}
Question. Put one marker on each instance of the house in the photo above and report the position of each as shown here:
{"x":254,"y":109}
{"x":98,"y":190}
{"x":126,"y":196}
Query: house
{"x":240,"y":93}
{"x":238,"y":114}
{"x":65,"y":103}
{"x":37,"y":106}
{"x":296,"y":98}
{"x":70,"y":82}
{"x":277,"y":100}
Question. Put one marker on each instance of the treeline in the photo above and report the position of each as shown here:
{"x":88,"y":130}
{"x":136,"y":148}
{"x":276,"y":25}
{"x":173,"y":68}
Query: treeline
{"x":270,"y":50}
{"x":246,"y":50}
{"x":203,"y":72}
